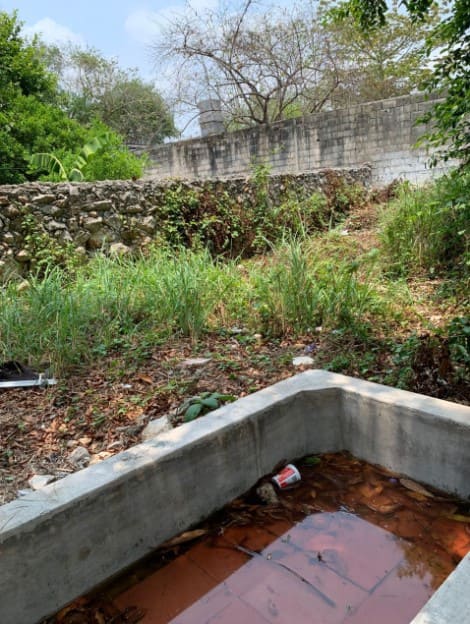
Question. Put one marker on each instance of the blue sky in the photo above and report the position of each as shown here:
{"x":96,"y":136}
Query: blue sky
{"x":121,"y":28}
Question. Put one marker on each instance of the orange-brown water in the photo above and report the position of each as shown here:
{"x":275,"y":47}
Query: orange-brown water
{"x":351,"y":543}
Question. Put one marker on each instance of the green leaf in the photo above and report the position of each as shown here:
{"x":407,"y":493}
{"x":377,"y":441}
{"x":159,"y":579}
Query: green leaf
{"x":225,"y":397}
{"x":75,"y":175}
{"x":210,"y":402}
{"x":91,"y":147}
{"x":42,"y":160}
{"x":192,"y":412}
{"x":313,"y":460}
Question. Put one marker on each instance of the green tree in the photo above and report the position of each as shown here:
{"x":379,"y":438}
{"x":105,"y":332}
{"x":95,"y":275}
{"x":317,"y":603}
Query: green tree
{"x":21,"y":70}
{"x":448,"y":49}
{"x":96,"y":87}
{"x":113,"y":161}
{"x":30,"y":120}
{"x":103,"y":156}
{"x":375,"y":64}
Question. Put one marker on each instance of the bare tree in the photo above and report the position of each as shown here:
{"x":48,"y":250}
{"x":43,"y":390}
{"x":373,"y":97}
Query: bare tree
{"x":262,"y":66}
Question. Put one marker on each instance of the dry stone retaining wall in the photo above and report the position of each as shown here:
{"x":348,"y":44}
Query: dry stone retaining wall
{"x":125,"y":215}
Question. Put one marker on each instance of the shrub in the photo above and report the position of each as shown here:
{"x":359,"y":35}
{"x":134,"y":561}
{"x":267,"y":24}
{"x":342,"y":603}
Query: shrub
{"x":113,"y":161}
{"x":426,"y":229}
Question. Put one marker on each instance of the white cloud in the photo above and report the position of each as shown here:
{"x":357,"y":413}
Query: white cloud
{"x":144,"y":25}
{"x":51,"y":32}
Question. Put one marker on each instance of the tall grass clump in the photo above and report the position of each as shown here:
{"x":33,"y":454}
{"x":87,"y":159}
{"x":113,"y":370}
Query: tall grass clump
{"x":299,"y":290}
{"x":116,"y":303}
{"x":427,"y":229}
{"x":110,"y":302}
{"x":48,"y":322}
{"x":286,"y":294}
{"x":189,"y":290}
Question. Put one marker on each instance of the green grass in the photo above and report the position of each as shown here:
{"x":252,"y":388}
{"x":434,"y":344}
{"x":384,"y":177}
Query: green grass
{"x":69,"y":318}
{"x":110,"y":302}
{"x":428,"y":229}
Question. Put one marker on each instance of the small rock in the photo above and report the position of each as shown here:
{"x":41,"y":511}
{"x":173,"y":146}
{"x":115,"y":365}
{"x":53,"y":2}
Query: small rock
{"x":93,"y":224}
{"x":40,"y":200}
{"x":267,"y":494}
{"x":119,"y":249}
{"x":23,"y":256}
{"x":11,"y":212}
{"x":130,"y":430}
{"x":195,"y":362}
{"x":135,"y":209}
{"x":37,"y":482}
{"x":115,"y":445}
{"x":80,"y":457}
{"x":80,"y":251}
{"x":155,"y":427}
{"x":99,"y":457}
{"x":147,"y":225}
{"x":55,"y":225}
{"x":303,"y":360}
{"x":72,"y":443}
{"x":102,"y":205}
{"x":24,"y":492}
{"x":98,"y":239}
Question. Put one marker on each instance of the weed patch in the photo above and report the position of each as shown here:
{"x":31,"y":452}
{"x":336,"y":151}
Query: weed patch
{"x":427,"y":229}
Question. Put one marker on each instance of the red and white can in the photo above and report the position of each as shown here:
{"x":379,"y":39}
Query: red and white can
{"x":287,"y":477}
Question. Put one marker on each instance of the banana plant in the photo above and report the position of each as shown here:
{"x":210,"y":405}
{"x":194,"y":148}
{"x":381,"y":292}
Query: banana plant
{"x":50,"y":162}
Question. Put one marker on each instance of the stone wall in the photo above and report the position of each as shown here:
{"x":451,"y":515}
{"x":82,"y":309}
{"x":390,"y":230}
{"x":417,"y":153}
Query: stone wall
{"x":380,"y":133}
{"x":126,"y":215}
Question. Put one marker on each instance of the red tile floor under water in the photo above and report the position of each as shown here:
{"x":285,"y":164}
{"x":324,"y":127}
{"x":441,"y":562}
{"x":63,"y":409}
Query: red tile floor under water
{"x":329,"y":568}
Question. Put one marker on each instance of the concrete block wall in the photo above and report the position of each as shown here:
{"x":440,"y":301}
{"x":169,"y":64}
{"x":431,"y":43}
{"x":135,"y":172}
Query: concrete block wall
{"x":381,"y":133}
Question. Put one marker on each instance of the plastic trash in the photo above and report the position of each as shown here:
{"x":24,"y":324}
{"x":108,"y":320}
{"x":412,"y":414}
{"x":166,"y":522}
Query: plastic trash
{"x":287,"y":477}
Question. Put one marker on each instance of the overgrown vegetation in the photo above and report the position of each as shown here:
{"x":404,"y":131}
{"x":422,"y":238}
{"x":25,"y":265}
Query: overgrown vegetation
{"x":354,"y":302}
{"x":427,"y":229}
{"x":387,"y":303}
{"x":103,"y":157}
{"x":112,"y":301}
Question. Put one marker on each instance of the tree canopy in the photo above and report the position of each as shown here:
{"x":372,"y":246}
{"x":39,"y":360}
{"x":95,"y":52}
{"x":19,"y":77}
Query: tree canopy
{"x":448,"y":48}
{"x":30,"y":120}
{"x":37,"y":116}
{"x":96,"y":87}
{"x":375,"y":64}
